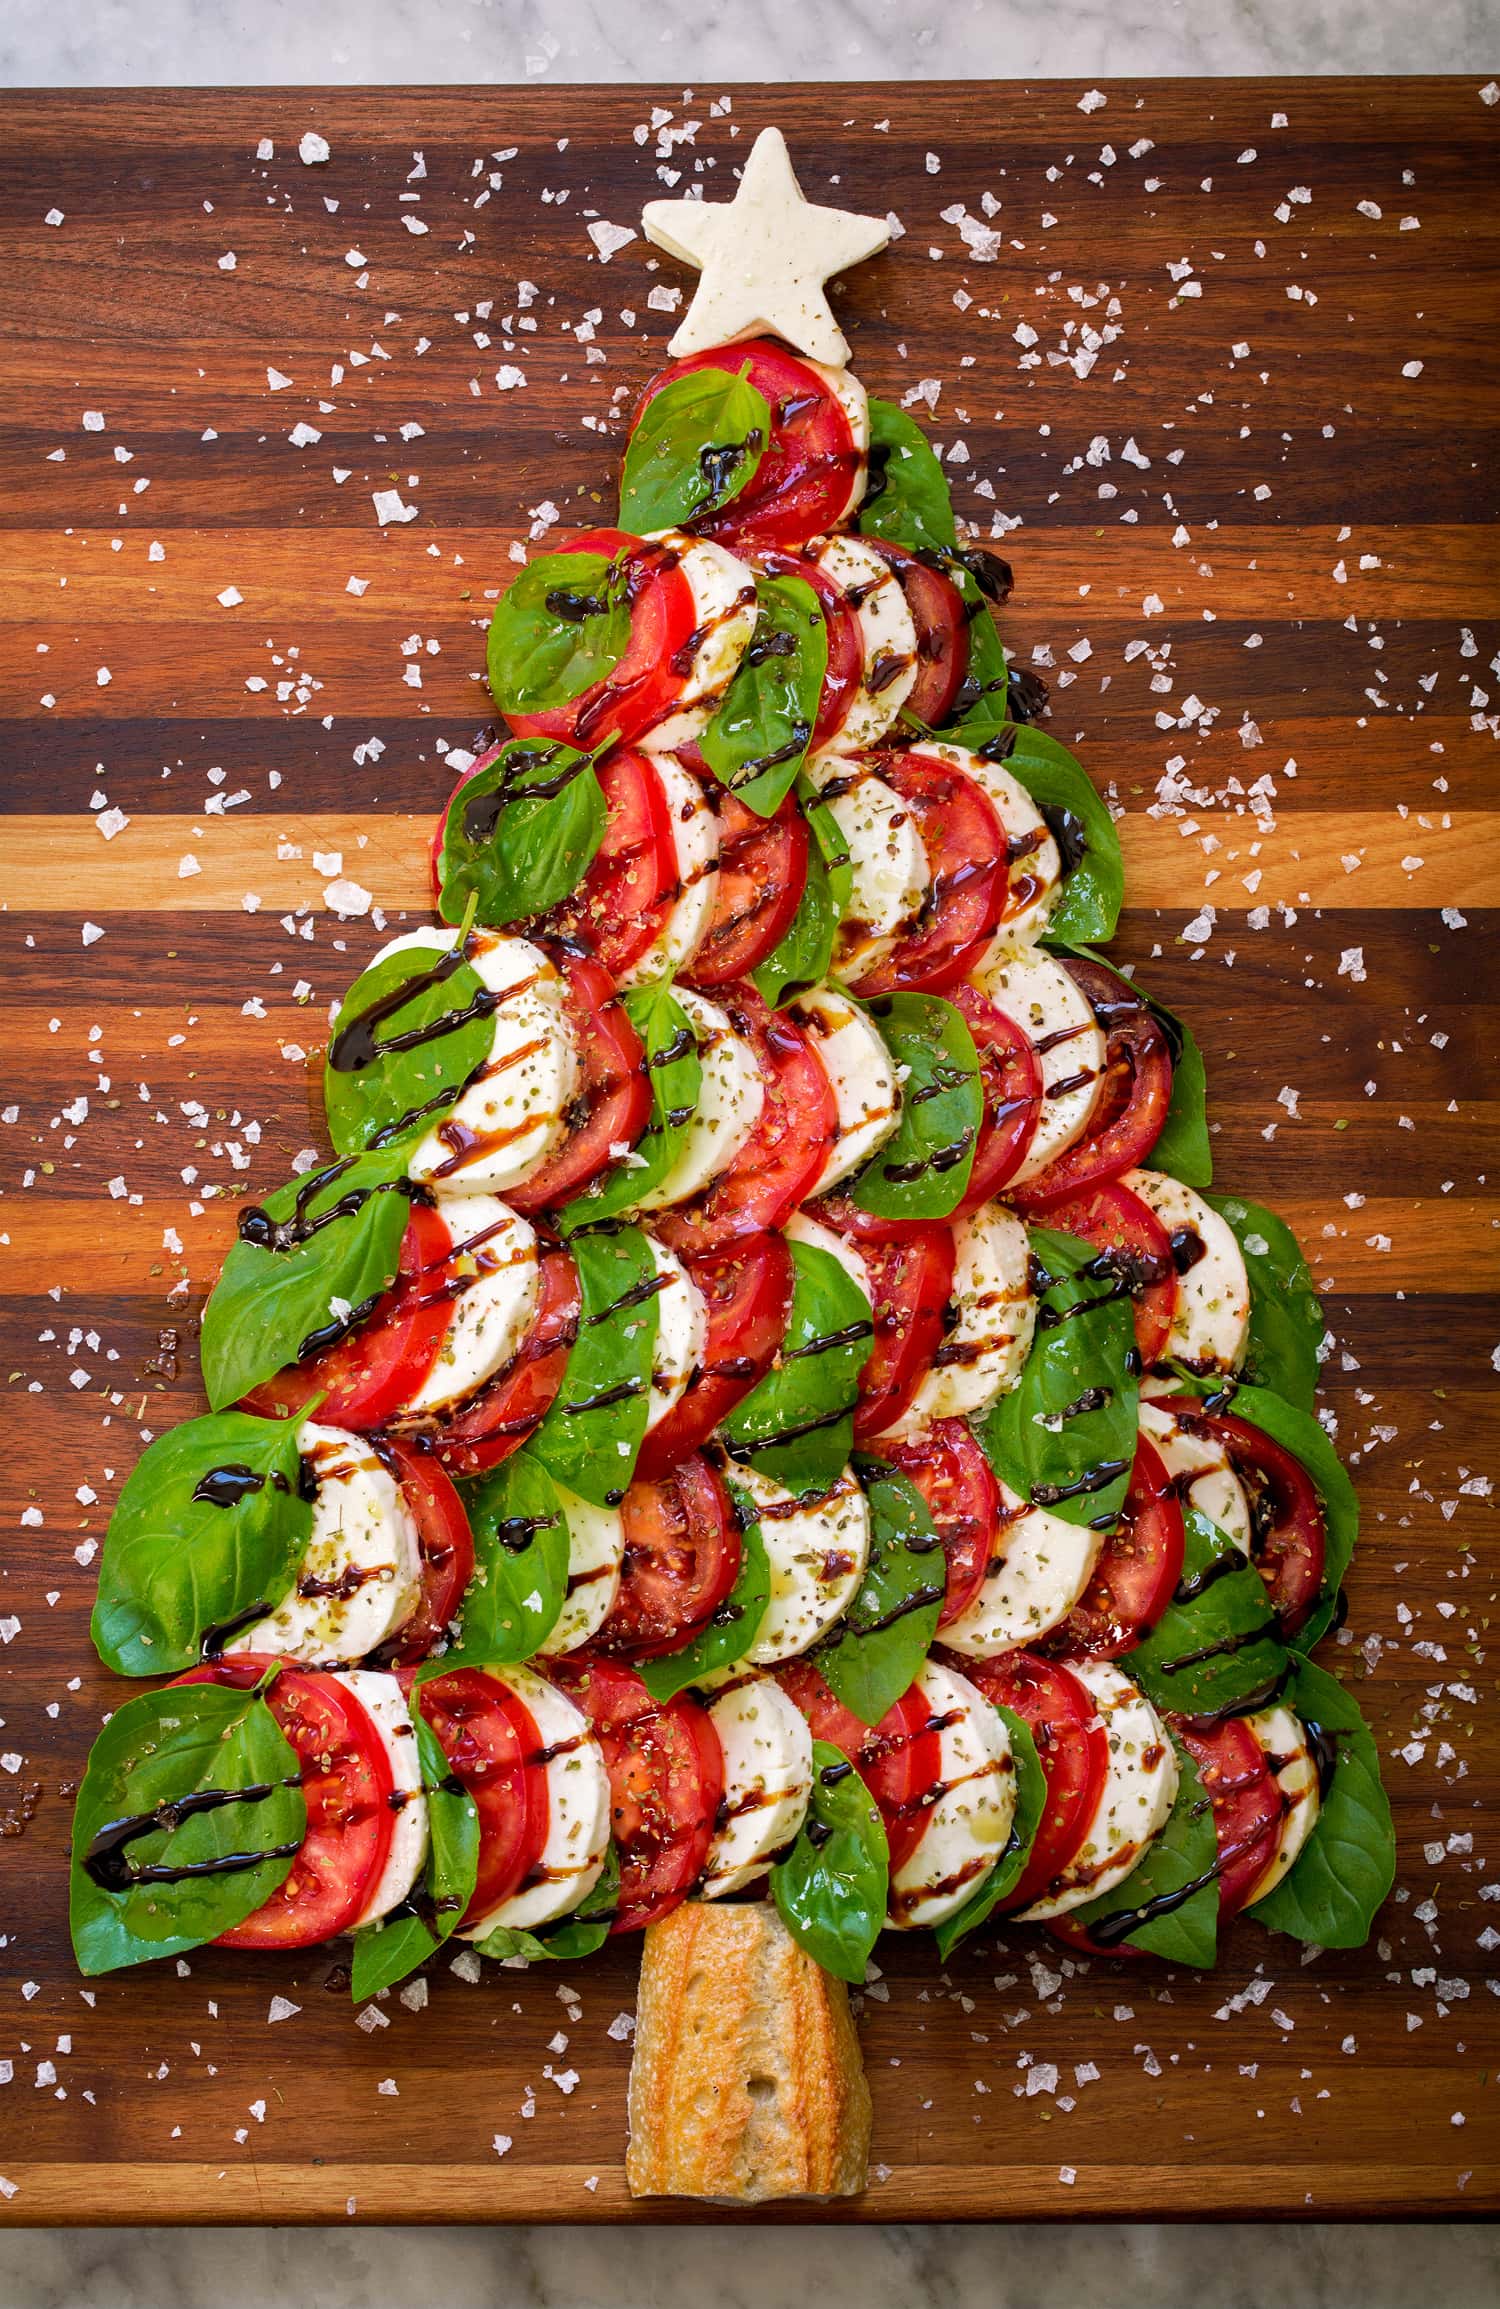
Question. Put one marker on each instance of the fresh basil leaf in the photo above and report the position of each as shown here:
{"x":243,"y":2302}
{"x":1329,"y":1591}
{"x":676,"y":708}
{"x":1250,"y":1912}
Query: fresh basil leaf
{"x":1088,"y":909}
{"x":831,"y":1889}
{"x":521,"y":1548}
{"x":983,"y":703}
{"x":757,"y":740}
{"x":1183,"y":1147}
{"x":519,"y":833}
{"x":160,"y":1749}
{"x":696,"y":445}
{"x":1064,"y":1436}
{"x":563,"y":626}
{"x":592,"y":1434}
{"x":410,"y":1033}
{"x":1217,"y":1649}
{"x":734,"y":1626}
{"x":1341,"y":1877}
{"x":923,"y":1171}
{"x":675,"y":1072}
{"x":806,"y":950}
{"x":212,"y":1522}
{"x":1180,"y":1870}
{"x":311,"y":1261}
{"x":797,"y":1424}
{"x":873,"y":1654}
{"x":1031,"y":1803}
{"x":906,"y":495}
{"x":1286,"y":1316}
{"x":576,"y":1935}
{"x":386,"y":1952}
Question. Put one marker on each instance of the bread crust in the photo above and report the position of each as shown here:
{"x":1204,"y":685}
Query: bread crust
{"x":747,"y":2082}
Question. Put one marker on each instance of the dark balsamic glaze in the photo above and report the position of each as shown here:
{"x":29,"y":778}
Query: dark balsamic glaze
{"x":1195,"y":1583}
{"x":516,"y":1532}
{"x":1093,"y":1479}
{"x":1188,"y":1247}
{"x":212,"y":1642}
{"x":1109,"y":1931}
{"x":257,"y":1226}
{"x":1068,"y":831}
{"x":108,"y":1864}
{"x":226,"y":1486}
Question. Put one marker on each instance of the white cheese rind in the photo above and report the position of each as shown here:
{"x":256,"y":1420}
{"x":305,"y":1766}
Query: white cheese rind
{"x":861,"y":1074}
{"x":729,"y":1104}
{"x":1036,"y":865}
{"x":1199,"y":1466}
{"x":1039,"y":1567}
{"x":1211,"y":1317}
{"x":992,"y":1316}
{"x":1140,"y":1784}
{"x":695,"y":834}
{"x":381,"y":1698}
{"x":494,"y":1257}
{"x":1284,"y":1740}
{"x":723,"y":591}
{"x":890,"y":874}
{"x":596,"y":1552}
{"x":1038,"y":995}
{"x":578,"y":1810}
{"x":888,"y":640}
{"x":767,"y":1748}
{"x":363,"y":1545}
{"x":969,"y":1822}
{"x":817,"y":1549}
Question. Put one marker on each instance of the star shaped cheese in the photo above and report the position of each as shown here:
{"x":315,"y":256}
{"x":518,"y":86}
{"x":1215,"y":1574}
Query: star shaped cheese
{"x":764,"y":257}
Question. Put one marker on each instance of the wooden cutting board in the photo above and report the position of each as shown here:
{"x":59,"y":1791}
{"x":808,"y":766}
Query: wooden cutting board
{"x":1227,"y":355}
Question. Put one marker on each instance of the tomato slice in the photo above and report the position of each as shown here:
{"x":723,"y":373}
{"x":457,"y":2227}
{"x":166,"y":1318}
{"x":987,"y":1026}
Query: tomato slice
{"x":1137,"y":1571}
{"x":810,"y":465}
{"x":1011,"y":1076}
{"x":446,"y":1542}
{"x":911,"y":1281}
{"x":1138,"y":1249}
{"x":1249,"y":1807}
{"x":747,"y":1292}
{"x":846,"y":650}
{"x":518,"y":1398}
{"x":762,"y":874}
{"x":950,"y":1470}
{"x":646,"y":684}
{"x":1072,"y":1748}
{"x":666,"y":1776}
{"x":965,"y":844}
{"x":612,"y":1104}
{"x":1135,"y":1092}
{"x":346,"y":1780}
{"x":1289,"y":1536}
{"x":682,"y":1557}
{"x":490,"y":1739}
{"x":628,"y":890}
{"x":942,"y":623}
{"x":783,"y":1156}
{"x":899,"y":1759}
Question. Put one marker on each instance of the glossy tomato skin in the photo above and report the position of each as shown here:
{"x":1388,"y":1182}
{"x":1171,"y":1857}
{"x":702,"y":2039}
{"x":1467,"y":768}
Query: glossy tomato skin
{"x":899,"y":1759}
{"x":809,"y":469}
{"x":1249,"y":1807}
{"x":1139,"y":1249}
{"x":846,"y":655}
{"x":1137,"y":1572}
{"x":445,"y":1540}
{"x":911,"y":1282}
{"x":682,"y":1557}
{"x":644,"y":687}
{"x":628,"y":889}
{"x":942,"y":626}
{"x":666,"y":1777}
{"x":515,"y":1402}
{"x":965,"y":844}
{"x":962,"y":1495}
{"x":762,"y":874}
{"x":493,"y":1747}
{"x":1072,"y":1748}
{"x":747,"y":1292}
{"x":1011,"y":1076}
{"x":612,"y":1104}
{"x":1290,"y":1535}
{"x":1135,"y":1092}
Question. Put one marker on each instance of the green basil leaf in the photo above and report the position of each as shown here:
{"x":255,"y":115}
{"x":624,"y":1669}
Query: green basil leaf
{"x":563,"y":626}
{"x":1031,"y":1803}
{"x":806,"y":950}
{"x":696,"y":445}
{"x":797,"y":1424}
{"x":1217,"y":1649}
{"x":1286,"y":1316}
{"x":521,"y":1548}
{"x":983,"y":703}
{"x":592,"y":1435}
{"x":410,"y":1033}
{"x":341,"y":1228}
{"x":579,"y":1934}
{"x":874,"y":1652}
{"x":386,"y":1952}
{"x":212,"y":1522}
{"x":831,"y":1889}
{"x":922,"y":1172}
{"x":676,"y":1076}
{"x":161,"y":1747}
{"x":734,"y":1626}
{"x":519,"y":833}
{"x":1093,"y":887}
{"x":757,"y":740}
{"x":1180,"y":1868}
{"x":906,"y":495}
{"x":1064,"y":1437}
{"x":1341,"y":1877}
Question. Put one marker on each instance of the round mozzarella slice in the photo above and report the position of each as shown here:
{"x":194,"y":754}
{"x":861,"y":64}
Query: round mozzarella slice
{"x":801,"y":1229}
{"x":1039,"y":1566}
{"x":817,"y":1547}
{"x":852,"y":397}
{"x":992,"y":1316}
{"x":361,"y":1573}
{"x":596,"y":1552}
{"x":861,"y":1074}
{"x":695,"y":832}
{"x":1035,"y":862}
{"x":888,"y":639}
{"x":728,"y":1109}
{"x":681,"y":1333}
{"x":1200,"y":1469}
{"x":1211,"y":1319}
{"x":496,"y":1277}
{"x":1140,"y":1784}
{"x":1295,"y":1771}
{"x":723,"y":591}
{"x":381,"y":1698}
{"x":1053,"y":1010}
{"x":578,"y":1810}
{"x":767,"y":1782}
{"x":889,"y":870}
{"x":972,"y":1806}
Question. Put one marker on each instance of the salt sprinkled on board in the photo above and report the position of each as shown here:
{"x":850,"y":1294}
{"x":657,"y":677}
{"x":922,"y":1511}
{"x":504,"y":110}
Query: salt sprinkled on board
{"x":313,"y":149}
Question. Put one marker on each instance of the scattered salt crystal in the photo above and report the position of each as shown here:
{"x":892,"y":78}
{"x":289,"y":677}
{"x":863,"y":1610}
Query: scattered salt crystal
{"x":277,"y":382}
{"x":313,"y":149}
{"x":609,"y":239}
{"x":282,"y":2008}
{"x":230,"y":598}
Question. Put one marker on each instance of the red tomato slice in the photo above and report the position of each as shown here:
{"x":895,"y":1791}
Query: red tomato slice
{"x":612,"y":1103}
{"x":1249,"y":1807}
{"x":899,"y":1759}
{"x":1139,"y":1248}
{"x":666,"y":1776}
{"x":490,"y":1739}
{"x":911,"y":1281}
{"x":762,"y":874}
{"x":958,"y":1484}
{"x":646,"y":684}
{"x":682,"y":1557}
{"x":747,"y":1292}
{"x":1072,"y":1748}
{"x":784,"y":1154}
{"x":1011,"y":1075}
{"x":519,"y":1397}
{"x":942,"y":623}
{"x":965,"y":844}
{"x":1134,"y":1095}
{"x":346,"y":1780}
{"x":631,"y":882}
{"x":808,"y":469}
{"x":446,"y":1542}
{"x":1290,"y":1536}
{"x":1137,"y":1571}
{"x":846,"y":649}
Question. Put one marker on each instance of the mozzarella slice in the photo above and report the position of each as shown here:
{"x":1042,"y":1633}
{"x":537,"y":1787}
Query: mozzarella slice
{"x":496,"y":1277}
{"x":723,"y":591}
{"x":596,"y":1552}
{"x":361,"y":1573}
{"x":381,"y":1698}
{"x":1039,"y":1566}
{"x":852,"y":397}
{"x":695,"y":832}
{"x":802,"y":1229}
{"x":889,"y":870}
{"x":681,"y":1333}
{"x":1053,"y":1010}
{"x":578,"y":1810}
{"x":991,"y":1318}
{"x":729,"y":1104}
{"x":817,"y":1547}
{"x":1211,"y":1320}
{"x":861,"y":1075}
{"x":1295,"y":1771}
{"x":1140,"y":1785}
{"x":1201,"y":1472}
{"x":888,"y":639}
{"x":767,"y":1782}
{"x":1035,"y":862}
{"x":972,"y":1806}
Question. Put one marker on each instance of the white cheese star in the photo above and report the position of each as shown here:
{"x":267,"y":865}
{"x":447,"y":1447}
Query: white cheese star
{"x":764,"y":257}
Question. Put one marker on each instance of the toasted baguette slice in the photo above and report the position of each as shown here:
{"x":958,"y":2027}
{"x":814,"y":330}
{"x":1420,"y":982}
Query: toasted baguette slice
{"x":747,"y":2081}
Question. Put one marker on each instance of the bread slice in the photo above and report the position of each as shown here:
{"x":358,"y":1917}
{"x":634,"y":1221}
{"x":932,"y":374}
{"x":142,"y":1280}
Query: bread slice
{"x":747,"y":2081}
